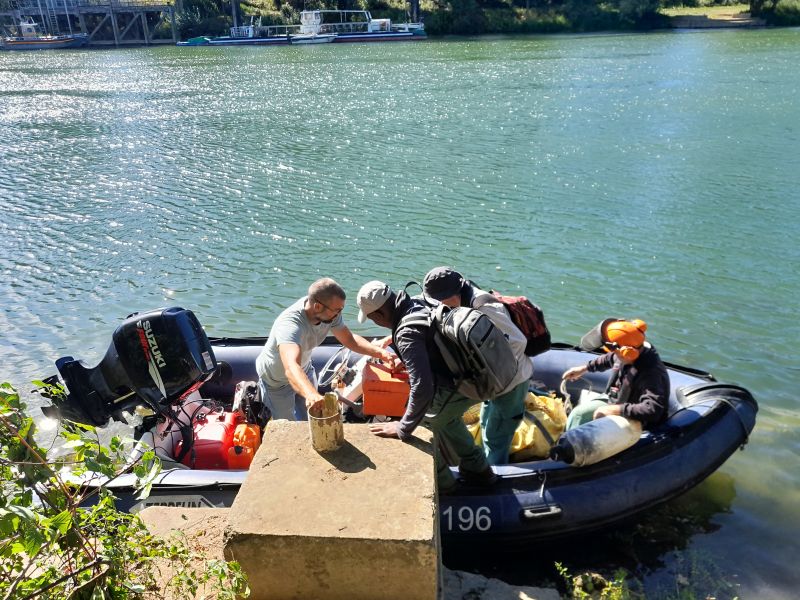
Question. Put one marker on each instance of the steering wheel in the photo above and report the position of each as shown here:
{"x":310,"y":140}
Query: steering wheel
{"x":324,"y":379}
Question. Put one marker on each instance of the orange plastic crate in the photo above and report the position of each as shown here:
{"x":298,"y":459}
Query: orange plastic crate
{"x":385,"y":391}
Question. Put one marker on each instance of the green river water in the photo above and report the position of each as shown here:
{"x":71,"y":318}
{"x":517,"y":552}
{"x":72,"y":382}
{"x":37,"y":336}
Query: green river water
{"x":652,"y":176}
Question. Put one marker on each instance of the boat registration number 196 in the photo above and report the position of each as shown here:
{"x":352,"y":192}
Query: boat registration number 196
{"x":465,"y":518}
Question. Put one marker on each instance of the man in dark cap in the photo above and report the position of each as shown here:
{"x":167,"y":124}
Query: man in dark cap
{"x":500,"y":416}
{"x":433,"y":399}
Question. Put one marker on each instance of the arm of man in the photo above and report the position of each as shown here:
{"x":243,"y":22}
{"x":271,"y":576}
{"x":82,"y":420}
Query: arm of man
{"x":356,"y":343}
{"x":290,"y":357}
{"x":414,"y":353}
{"x":601,"y":363}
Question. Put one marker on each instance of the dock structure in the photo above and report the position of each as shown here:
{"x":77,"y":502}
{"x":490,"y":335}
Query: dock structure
{"x":106,"y":22}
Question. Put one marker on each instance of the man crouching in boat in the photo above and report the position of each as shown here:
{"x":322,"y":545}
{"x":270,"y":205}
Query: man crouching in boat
{"x":433,"y":399}
{"x":639,"y":386}
{"x":286,"y":375}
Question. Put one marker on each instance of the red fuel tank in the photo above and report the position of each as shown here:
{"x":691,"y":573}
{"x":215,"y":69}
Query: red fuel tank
{"x":213,"y":438}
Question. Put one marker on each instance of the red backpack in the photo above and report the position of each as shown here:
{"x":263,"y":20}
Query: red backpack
{"x":529,"y":318}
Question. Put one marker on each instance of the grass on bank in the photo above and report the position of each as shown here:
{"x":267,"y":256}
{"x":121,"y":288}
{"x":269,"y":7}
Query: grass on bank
{"x":710,"y":11}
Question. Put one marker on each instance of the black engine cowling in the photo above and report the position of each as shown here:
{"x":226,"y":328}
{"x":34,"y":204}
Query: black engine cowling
{"x":154,"y":358}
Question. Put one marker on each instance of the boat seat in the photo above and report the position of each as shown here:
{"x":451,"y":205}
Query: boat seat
{"x":675,"y":402}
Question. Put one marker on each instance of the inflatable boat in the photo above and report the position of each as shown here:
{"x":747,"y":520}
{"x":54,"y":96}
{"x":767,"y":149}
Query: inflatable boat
{"x":533,"y":500}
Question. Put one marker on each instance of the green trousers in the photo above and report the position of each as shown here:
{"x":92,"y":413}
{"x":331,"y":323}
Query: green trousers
{"x":444,"y":418}
{"x":584,"y":412}
{"x":499,"y":421}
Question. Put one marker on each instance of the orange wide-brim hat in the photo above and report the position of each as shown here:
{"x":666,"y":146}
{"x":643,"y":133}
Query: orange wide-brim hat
{"x":620,"y":332}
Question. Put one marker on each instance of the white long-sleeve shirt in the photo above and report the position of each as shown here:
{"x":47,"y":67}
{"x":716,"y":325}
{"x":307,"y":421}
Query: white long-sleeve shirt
{"x":498,"y":315}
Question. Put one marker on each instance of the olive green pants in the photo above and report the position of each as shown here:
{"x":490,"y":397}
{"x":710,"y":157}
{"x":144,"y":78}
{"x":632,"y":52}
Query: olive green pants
{"x":444,"y":418}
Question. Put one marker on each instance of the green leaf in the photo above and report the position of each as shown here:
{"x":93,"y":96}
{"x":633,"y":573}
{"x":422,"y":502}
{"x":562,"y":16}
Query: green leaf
{"x":92,"y":464}
{"x":32,"y":542}
{"x":23,"y":512}
{"x":144,"y":491}
{"x":62,"y":522}
{"x":9,"y":523}
{"x":84,"y":426}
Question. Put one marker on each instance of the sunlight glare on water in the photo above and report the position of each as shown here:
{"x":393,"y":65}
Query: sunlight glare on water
{"x":650,"y":176}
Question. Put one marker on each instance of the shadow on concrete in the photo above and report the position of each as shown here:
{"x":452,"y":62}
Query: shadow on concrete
{"x":421,"y":445}
{"x":349,"y":459}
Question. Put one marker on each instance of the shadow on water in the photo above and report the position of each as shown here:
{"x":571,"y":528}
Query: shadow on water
{"x":654,"y":549}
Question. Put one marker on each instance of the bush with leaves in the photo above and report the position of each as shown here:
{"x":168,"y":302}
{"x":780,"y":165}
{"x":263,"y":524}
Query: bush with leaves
{"x":593,"y":586}
{"x":785,"y":12}
{"x":53,"y":546}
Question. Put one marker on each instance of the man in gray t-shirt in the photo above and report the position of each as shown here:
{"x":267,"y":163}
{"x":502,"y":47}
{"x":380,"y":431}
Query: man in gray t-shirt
{"x":286,"y":376}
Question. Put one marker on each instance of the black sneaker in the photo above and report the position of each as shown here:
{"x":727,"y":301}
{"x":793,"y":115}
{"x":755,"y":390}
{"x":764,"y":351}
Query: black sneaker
{"x":485,"y":478}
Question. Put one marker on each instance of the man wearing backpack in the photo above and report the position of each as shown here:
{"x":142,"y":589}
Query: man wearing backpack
{"x":501,"y":415}
{"x":433,"y":399}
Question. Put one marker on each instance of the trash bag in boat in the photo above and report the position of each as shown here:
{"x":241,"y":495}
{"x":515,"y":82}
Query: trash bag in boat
{"x":543,"y":422}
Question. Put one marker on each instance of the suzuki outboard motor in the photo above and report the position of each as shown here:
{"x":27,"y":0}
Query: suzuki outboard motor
{"x":154,"y":358}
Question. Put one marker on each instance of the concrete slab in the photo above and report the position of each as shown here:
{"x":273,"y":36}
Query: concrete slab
{"x":310,"y":525}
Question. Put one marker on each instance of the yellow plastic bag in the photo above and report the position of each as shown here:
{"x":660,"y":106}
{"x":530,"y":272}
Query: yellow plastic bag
{"x":472,"y":415}
{"x":528,"y":442}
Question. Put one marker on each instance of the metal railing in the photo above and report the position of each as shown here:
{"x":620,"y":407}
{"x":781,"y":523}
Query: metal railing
{"x":60,"y":5}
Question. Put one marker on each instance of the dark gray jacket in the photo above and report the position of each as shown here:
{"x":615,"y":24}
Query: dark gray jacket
{"x":641,"y":388}
{"x":426,"y":367}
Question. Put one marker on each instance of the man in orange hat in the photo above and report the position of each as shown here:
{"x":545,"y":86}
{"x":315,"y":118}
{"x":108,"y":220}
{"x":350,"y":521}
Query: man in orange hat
{"x":639,"y":385}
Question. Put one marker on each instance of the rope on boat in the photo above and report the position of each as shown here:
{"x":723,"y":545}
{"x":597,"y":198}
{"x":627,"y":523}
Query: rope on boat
{"x":741,"y":420}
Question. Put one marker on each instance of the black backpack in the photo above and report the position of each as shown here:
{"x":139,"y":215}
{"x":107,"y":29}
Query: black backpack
{"x":475,"y":351}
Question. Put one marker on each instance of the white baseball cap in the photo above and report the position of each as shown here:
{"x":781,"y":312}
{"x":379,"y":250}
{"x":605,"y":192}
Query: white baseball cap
{"x":371,"y":297}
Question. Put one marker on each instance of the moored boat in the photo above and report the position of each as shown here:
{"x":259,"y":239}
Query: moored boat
{"x":31,"y":38}
{"x":315,"y":27}
{"x":536,"y":499}
{"x":358,"y":26}
{"x":313,"y":38}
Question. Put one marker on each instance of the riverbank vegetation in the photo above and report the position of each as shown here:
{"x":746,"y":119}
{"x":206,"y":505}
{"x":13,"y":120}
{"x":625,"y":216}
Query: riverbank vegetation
{"x":474,"y":17}
{"x":53,"y":548}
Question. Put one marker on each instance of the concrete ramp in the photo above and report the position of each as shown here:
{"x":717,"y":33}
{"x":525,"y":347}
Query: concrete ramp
{"x":359,"y":522}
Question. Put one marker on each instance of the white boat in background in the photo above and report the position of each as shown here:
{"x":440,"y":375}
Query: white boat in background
{"x":312,"y":38}
{"x":318,"y":27}
{"x":358,"y":26}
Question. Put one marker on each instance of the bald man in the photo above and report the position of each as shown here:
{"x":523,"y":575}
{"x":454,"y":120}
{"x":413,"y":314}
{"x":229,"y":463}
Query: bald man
{"x":287,"y":378}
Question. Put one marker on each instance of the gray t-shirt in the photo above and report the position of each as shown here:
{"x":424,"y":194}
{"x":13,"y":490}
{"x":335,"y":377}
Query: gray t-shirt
{"x":292,"y":327}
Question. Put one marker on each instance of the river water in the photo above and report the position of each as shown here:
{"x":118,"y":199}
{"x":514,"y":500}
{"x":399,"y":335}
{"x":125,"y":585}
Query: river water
{"x":652,"y":176}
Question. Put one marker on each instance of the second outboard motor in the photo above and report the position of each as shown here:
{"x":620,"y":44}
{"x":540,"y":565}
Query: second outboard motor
{"x":154,"y":357}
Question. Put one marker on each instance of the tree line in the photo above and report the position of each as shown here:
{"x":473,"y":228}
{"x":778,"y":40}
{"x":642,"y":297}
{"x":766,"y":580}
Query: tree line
{"x":472,"y":17}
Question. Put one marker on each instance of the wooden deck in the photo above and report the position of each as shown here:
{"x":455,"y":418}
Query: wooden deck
{"x":106,"y":22}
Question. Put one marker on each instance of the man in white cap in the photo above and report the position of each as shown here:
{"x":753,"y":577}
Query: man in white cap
{"x":286,"y":375}
{"x":433,"y":399}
